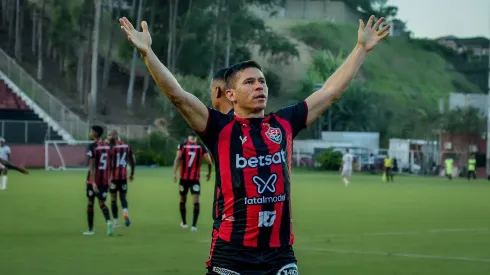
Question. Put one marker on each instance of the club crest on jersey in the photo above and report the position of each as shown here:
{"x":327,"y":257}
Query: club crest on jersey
{"x":274,"y":134}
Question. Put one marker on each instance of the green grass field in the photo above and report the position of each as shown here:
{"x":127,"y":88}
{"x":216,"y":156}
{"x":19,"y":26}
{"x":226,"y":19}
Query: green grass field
{"x":423,"y":226}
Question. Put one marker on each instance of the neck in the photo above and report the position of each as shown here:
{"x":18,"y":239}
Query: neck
{"x":248,"y":113}
{"x":224,"y":108}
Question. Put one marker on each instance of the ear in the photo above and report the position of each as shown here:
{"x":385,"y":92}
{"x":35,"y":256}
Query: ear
{"x":230,"y":95}
{"x":217,"y":92}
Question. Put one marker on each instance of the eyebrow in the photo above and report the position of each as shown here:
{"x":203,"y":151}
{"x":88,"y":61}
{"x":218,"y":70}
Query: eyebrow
{"x":253,"y":78}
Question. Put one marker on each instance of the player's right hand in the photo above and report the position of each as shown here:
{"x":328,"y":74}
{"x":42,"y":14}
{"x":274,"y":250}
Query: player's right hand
{"x":175,"y":178}
{"x":140,"y":40}
{"x":94,"y":186}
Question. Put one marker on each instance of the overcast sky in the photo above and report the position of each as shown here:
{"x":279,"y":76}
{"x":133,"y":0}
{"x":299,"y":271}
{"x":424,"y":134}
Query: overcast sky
{"x":434,"y":18}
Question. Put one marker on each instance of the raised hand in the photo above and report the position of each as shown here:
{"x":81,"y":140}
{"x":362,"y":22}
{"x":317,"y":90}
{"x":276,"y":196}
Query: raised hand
{"x":368,"y":36}
{"x":140,"y":40}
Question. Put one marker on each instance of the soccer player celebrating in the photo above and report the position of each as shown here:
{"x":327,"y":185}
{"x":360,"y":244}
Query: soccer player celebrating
{"x":218,"y":97}
{"x":121,"y":155}
{"x":253,"y":151}
{"x":189,"y":157}
{"x":99,"y":155}
{"x":4,"y":155}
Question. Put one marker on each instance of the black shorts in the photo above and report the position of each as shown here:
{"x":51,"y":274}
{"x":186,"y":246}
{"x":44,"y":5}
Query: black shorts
{"x":118,"y":186}
{"x":193,"y":185}
{"x":102,"y":195}
{"x":226,"y":258}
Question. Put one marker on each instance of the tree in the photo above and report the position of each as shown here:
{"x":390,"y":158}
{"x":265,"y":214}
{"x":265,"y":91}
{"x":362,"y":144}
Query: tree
{"x":95,"y":59}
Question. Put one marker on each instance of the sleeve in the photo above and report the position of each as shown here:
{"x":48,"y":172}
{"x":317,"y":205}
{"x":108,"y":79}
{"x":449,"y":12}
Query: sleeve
{"x":8,"y":150}
{"x":296,"y":115}
{"x":91,"y":151}
{"x":216,"y":122}
{"x":179,"y":147}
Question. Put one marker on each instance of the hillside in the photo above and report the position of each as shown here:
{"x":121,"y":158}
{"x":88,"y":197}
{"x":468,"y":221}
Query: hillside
{"x":397,"y":69}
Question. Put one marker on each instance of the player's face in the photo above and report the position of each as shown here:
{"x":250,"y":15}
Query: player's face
{"x":91,"y":134}
{"x":250,"y":90}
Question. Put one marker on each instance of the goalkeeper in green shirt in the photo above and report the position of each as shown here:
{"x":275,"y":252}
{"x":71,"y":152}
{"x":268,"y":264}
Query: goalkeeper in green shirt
{"x":471,"y":167}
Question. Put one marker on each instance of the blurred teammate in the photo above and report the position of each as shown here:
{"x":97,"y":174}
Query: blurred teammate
{"x":189,"y":157}
{"x":388,"y":164}
{"x":98,"y":178}
{"x":121,"y":155}
{"x":347,"y":160}
{"x":218,"y":97}
{"x":4,"y":155}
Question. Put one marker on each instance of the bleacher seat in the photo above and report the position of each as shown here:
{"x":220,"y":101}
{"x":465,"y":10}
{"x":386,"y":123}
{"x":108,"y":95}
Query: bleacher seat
{"x":13,"y":112}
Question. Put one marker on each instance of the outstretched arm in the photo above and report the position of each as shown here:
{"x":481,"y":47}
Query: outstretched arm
{"x":191,"y":108}
{"x":335,"y":86}
{"x":13,"y":166}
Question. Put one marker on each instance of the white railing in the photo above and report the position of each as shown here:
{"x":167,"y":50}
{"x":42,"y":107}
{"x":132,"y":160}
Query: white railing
{"x":67,"y":119}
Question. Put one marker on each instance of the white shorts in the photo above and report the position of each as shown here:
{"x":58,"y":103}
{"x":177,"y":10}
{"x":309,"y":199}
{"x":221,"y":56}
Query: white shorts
{"x":346,"y":172}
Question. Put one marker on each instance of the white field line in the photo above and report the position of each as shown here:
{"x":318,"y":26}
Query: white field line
{"x":430,"y":231}
{"x":404,"y":255}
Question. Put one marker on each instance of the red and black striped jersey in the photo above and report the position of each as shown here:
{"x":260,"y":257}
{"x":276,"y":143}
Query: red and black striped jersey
{"x":121,"y":154}
{"x":190,"y":166}
{"x":253,"y":166}
{"x":101,"y":152}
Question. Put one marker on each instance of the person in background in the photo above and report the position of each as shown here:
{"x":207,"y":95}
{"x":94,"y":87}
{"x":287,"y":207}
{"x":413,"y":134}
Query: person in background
{"x":471,"y":167}
{"x":449,"y":167}
{"x":4,"y":155}
{"x":388,"y":164}
{"x":371,"y":163}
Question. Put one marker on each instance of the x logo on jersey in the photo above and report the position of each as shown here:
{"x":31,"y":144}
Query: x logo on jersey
{"x":270,"y":184}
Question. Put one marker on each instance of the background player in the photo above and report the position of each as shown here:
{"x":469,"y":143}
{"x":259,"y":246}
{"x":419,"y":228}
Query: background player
{"x":121,"y":154}
{"x":189,"y":157}
{"x":388,"y":164}
{"x":347,"y":160}
{"x":98,"y":178}
{"x":218,"y":96}
{"x":471,"y":167}
{"x":5,"y":155}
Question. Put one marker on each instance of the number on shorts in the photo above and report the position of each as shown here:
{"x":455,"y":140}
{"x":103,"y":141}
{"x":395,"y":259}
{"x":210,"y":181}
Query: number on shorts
{"x":103,"y":161}
{"x":121,"y":160}
{"x":192,"y":155}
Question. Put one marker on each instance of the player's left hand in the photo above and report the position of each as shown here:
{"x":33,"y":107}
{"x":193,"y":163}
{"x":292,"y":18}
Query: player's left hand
{"x":131,"y":178}
{"x":368,"y":36}
{"x":175,"y":178}
{"x":208,"y":177}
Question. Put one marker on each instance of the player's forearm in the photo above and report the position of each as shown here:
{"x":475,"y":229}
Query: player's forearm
{"x":209,"y":169}
{"x":163,"y":77}
{"x":132,"y":164}
{"x":192,"y":109}
{"x":336,"y":84}
{"x":174,"y":168}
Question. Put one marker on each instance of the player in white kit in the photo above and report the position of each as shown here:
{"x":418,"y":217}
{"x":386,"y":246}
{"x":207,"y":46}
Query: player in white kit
{"x":4,"y":154}
{"x":347,"y":160}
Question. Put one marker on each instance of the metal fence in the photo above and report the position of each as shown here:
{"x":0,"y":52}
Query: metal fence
{"x":67,"y":119}
{"x":26,"y":132}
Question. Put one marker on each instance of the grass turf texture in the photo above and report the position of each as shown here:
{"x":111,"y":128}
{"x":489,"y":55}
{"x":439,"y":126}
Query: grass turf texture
{"x":417,"y":225}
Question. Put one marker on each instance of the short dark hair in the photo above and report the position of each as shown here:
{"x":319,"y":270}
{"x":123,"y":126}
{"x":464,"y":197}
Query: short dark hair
{"x":231,"y":73}
{"x":220,"y":75}
{"x":98,"y":130}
